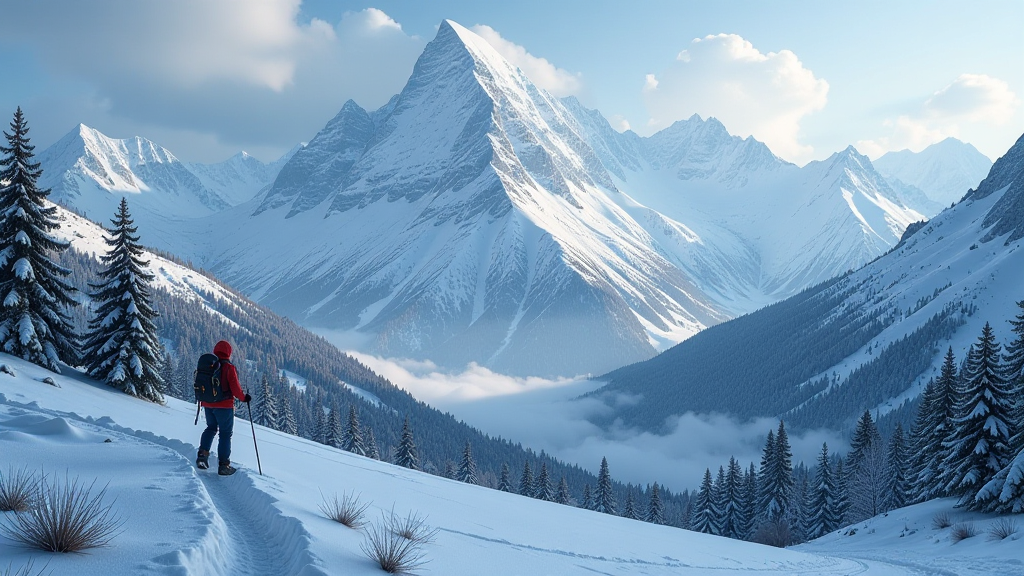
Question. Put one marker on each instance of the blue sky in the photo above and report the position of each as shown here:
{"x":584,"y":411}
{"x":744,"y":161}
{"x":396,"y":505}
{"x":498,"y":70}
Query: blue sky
{"x":207,"y":79}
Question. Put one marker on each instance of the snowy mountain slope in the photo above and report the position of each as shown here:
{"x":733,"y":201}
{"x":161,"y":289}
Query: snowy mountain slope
{"x":943,"y":171}
{"x":787,"y":227}
{"x":464,"y":221}
{"x":868,"y":340}
{"x":251,"y":524}
{"x":239,"y":178}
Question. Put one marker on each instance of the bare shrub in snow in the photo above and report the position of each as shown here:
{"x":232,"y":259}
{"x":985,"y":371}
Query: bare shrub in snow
{"x":1002,"y":529}
{"x":17,"y":487}
{"x":962,"y":531}
{"x":394,"y":553}
{"x":942,"y":520}
{"x":347,"y":510}
{"x":65,"y":517}
{"x":411,"y":527}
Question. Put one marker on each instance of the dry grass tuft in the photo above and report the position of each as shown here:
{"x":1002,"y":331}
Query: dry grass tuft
{"x":1002,"y":529}
{"x":942,"y":520}
{"x":17,"y":490}
{"x":347,"y":510}
{"x":962,"y":531}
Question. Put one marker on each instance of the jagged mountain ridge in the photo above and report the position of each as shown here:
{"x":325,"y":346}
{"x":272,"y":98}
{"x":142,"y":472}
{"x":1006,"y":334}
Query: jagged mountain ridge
{"x":867,"y":340}
{"x":942,"y":172}
{"x":475,"y":218}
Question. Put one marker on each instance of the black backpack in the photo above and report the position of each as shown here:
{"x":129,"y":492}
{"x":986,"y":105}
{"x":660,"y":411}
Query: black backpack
{"x":208,"y":387}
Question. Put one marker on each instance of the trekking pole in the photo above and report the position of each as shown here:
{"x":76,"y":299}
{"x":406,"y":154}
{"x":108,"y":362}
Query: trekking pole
{"x":198,"y":408}
{"x":253,"y":426}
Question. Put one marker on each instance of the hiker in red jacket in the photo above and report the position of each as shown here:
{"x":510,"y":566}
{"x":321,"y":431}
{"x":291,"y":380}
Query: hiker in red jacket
{"x":221,"y":415}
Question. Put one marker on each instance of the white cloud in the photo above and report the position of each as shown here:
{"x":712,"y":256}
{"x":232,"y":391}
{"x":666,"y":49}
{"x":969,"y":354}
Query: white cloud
{"x":752,"y":93}
{"x":559,"y":82}
{"x":549,"y":415}
{"x":961,"y":110}
{"x":241,"y":72}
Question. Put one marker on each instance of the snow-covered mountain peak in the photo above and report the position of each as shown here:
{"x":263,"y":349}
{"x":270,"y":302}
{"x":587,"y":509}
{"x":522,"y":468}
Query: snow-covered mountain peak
{"x":1007,"y":216}
{"x":943,"y":171}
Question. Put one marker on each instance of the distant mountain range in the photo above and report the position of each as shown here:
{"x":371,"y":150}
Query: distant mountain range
{"x":476,"y":218}
{"x":867,"y":340}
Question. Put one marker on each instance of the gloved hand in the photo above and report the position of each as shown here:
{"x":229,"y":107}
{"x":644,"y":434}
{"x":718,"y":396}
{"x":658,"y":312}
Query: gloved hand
{"x":248,"y":398}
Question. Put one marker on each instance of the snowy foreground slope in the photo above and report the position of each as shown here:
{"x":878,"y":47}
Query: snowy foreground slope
{"x":185,"y":522}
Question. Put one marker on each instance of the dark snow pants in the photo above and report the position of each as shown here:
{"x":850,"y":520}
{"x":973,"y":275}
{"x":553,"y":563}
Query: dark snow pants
{"x":224,"y":419}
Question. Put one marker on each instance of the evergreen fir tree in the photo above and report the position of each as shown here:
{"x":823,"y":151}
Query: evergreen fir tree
{"x":605,"y":497}
{"x":352,"y":438}
{"x":867,"y":479}
{"x":655,"y":510}
{"x":776,"y":477}
{"x":121,"y":347}
{"x":920,"y":436}
{"x":267,"y":410}
{"x":731,"y":501}
{"x":542,"y":489}
{"x":449,"y":470}
{"x":766,"y":475}
{"x":167,"y":372}
{"x":288,"y":424}
{"x":526,"y":481}
{"x":701,"y":519}
{"x":864,"y":437}
{"x":898,"y":494}
{"x":319,"y":431}
{"x":371,"y":444}
{"x":979,"y":439}
{"x":935,"y":418}
{"x":334,"y":433}
{"x":718,"y":493}
{"x":629,"y":510}
{"x":34,"y":297}
{"x":749,"y":513}
{"x":505,"y":481}
{"x":406,"y":455}
{"x":467,"y":467}
{"x":842,"y":506}
{"x":821,"y":513}
{"x":800,"y":514}
{"x":588,"y":498}
{"x":1013,"y":363}
{"x":562,"y":495}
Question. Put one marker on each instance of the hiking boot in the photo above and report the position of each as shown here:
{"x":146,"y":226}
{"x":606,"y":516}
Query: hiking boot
{"x":226,"y":469}
{"x":203,"y":460}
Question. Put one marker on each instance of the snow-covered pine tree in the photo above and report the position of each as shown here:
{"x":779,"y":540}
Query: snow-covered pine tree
{"x":821,"y":516}
{"x":898,"y":493}
{"x":34,"y":298}
{"x":776,"y":477}
{"x":865,"y":435}
{"x":505,"y":480}
{"x":749,"y":512}
{"x":1013,"y":363}
{"x":919,"y":442}
{"x":731,"y":500}
{"x":449,"y":470}
{"x":526,"y":481}
{"x":319,"y":431}
{"x":655,"y":510}
{"x":406,"y":455}
{"x":718,"y":504}
{"x":766,"y":476}
{"x":842,"y":506}
{"x":167,"y":365}
{"x":334,"y":436}
{"x":121,"y":346}
{"x":467,"y":467}
{"x":542,"y":489}
{"x":267,"y":413}
{"x":979,"y":439}
{"x":562,"y":494}
{"x":701,"y":519}
{"x":372,"y":450}
{"x":287,"y":421}
{"x":935,"y":417}
{"x":800,"y":509}
{"x":588,"y":498}
{"x":630,"y":509}
{"x":604,"y":500}
{"x":352,"y":437}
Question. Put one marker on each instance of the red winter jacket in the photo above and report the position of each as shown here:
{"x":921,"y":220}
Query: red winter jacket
{"x":228,"y":376}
